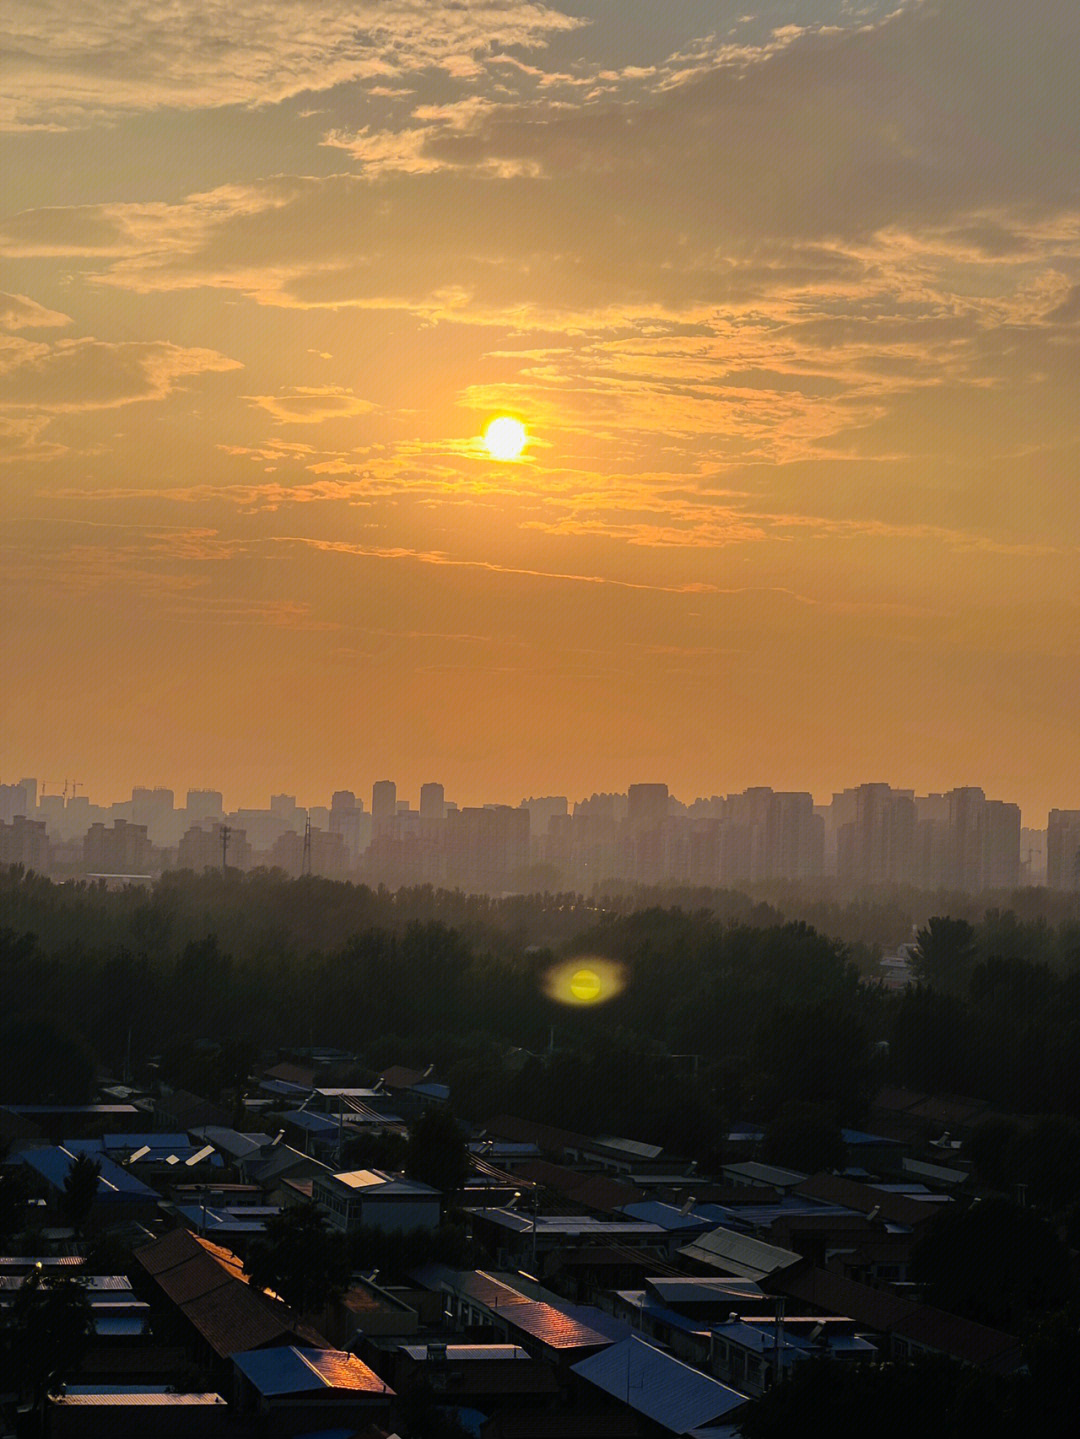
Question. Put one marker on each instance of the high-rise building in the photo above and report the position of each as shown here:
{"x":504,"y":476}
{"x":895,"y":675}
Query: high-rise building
{"x":383,"y":799}
{"x":432,"y":801}
{"x":204,"y":804}
{"x":1063,"y":849}
{"x":647,"y":805}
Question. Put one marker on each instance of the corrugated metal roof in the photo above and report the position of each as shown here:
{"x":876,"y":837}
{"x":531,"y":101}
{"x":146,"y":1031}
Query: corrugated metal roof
{"x":662,"y":1388}
{"x":461,"y":1352}
{"x":143,"y":1396}
{"x":739,"y":1254}
{"x":770,"y":1174}
{"x":653,"y":1211}
{"x":114,"y":1183}
{"x":289,"y":1370}
{"x":376,"y":1181}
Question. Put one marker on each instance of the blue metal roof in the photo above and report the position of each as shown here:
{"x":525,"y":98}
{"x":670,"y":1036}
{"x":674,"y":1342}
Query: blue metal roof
{"x":313,"y":1123}
{"x":283,"y":1087}
{"x":289,"y":1370}
{"x":211,"y":1221}
{"x":114,"y":1183}
{"x":856,"y":1137}
{"x":652,"y":1211}
{"x":664,"y":1389}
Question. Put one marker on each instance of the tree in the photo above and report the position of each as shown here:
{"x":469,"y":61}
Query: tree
{"x":944,"y":954}
{"x":13,"y":1200}
{"x":804,"y":1136}
{"x":934,"y":1398}
{"x":53,"y":1323}
{"x":993,"y":1262}
{"x":437,"y":1153}
{"x":299,"y":1259}
{"x":80,"y":1191}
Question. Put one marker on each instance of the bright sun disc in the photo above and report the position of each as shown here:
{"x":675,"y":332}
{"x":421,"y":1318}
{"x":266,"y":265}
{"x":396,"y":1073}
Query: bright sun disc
{"x":505,"y":438}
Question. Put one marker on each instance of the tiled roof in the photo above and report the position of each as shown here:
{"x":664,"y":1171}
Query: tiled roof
{"x":591,"y":1191}
{"x":398,"y":1077}
{"x":960,"y":1338}
{"x":864,"y":1199}
{"x":209,"y":1287}
{"x":817,"y":1289}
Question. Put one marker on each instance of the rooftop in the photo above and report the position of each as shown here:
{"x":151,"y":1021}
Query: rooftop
{"x":289,"y":1370}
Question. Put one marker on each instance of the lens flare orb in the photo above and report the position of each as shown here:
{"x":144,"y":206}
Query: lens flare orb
{"x":585,"y":981}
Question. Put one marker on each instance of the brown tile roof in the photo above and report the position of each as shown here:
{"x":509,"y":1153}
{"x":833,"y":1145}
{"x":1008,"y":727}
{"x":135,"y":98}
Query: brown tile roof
{"x":588,"y":1191}
{"x":827,"y":1293}
{"x":529,"y":1131}
{"x":209,"y":1287}
{"x":291,"y":1074}
{"x":399,"y":1077}
{"x":895,"y":1208}
{"x":961,"y":1339}
{"x":888,"y":1313}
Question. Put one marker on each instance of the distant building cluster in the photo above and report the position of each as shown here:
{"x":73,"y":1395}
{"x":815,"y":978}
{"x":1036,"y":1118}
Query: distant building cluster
{"x":870,"y":835}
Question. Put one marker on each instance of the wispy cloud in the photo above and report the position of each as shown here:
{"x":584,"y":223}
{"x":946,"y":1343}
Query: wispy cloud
{"x":72,"y":66}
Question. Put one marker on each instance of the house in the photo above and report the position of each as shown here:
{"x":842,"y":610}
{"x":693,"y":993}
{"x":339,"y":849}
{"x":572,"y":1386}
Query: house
{"x":361,"y":1198}
{"x":208,"y":1286}
{"x":133,"y":1411}
{"x":289,"y":1389}
{"x":671,"y":1395}
{"x":484,"y":1306}
{"x":764,"y":1176}
{"x":120,"y":1196}
{"x":727,"y":1252}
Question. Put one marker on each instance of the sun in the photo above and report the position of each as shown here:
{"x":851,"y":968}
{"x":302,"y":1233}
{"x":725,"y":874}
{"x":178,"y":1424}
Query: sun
{"x":505,"y":438}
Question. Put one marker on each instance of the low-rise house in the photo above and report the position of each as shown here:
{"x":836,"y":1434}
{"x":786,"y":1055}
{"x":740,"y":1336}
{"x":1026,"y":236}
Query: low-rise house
{"x":486,"y":1307}
{"x":903,"y":1326}
{"x":752,"y":1351}
{"x":763,"y":1176}
{"x":725,"y":1251}
{"x":672,"y":1396}
{"x":120,"y":1195}
{"x":518,"y":1240}
{"x":289,"y":1389}
{"x":208,"y":1287}
{"x":360,"y":1198}
{"x":134,"y":1411}
{"x":485,"y":1377}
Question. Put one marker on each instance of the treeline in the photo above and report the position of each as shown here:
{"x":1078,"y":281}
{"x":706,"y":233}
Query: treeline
{"x":722,"y":1015}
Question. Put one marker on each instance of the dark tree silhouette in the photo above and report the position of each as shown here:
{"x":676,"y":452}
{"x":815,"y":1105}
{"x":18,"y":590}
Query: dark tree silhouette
{"x":437,"y":1153}
{"x":80,"y":1191}
{"x":945,"y":954}
{"x":300,"y":1259}
{"x":52,"y":1327}
{"x":934,"y":1398}
{"x":804,"y":1136}
{"x":993,"y":1262}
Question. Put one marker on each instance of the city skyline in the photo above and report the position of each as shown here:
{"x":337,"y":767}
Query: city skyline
{"x":411,"y":797}
{"x":785,"y":297}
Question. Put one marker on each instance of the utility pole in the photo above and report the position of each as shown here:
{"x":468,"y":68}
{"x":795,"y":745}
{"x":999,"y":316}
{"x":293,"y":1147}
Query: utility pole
{"x":305,"y":867}
{"x":225,"y":833}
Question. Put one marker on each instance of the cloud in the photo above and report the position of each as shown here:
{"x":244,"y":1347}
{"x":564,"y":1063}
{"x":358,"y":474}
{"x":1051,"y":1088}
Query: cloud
{"x":72,"y":65}
{"x":17,"y":312}
{"x":310,"y":405}
{"x":89,"y":374}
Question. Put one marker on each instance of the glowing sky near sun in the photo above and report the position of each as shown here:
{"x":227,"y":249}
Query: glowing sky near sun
{"x":786,"y":295}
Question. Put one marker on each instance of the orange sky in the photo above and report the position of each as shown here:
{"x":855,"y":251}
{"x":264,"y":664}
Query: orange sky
{"x":788,"y":295}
